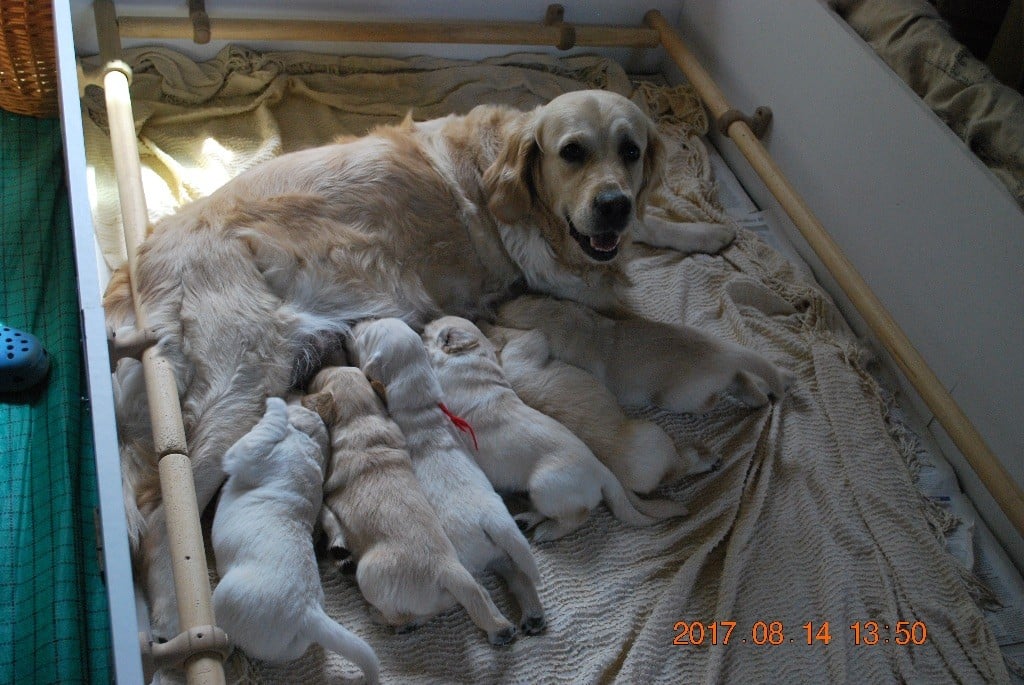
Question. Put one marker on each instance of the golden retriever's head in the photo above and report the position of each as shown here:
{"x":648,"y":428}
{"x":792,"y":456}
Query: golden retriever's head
{"x":581,"y":169}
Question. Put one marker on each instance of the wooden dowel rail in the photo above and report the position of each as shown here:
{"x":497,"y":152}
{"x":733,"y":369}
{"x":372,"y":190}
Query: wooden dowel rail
{"x":1004,"y":490}
{"x":177,"y":488}
{"x":558,"y":35}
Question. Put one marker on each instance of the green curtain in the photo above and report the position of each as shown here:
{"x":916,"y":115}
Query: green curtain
{"x":53,"y":615}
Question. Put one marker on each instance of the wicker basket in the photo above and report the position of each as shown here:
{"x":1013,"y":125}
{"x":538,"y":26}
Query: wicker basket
{"x":28,"y":58}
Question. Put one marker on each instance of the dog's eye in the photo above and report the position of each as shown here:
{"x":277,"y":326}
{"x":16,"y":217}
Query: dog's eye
{"x":572,"y":152}
{"x":629,"y":151}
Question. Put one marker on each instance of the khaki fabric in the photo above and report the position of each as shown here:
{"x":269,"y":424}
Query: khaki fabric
{"x":810,"y":514}
{"x":913,"y":40}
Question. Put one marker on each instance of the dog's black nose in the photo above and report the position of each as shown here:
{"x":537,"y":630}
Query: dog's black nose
{"x":613,"y":207}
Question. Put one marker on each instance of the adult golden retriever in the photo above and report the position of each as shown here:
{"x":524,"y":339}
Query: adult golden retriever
{"x":247,"y":287}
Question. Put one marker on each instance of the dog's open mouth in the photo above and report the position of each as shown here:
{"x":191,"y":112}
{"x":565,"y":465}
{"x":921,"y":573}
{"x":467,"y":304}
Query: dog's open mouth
{"x":602,"y":247}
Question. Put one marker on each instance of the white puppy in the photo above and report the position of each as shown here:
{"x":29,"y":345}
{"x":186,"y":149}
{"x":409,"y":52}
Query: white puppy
{"x":269,"y":599}
{"x":523,"y":450}
{"x":638,"y":452}
{"x":644,"y":363}
{"x":373,"y":505}
{"x":471,"y":512}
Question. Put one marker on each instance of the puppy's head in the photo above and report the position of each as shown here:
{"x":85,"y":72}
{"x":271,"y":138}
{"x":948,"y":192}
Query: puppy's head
{"x":341,"y":393}
{"x":309,"y":422}
{"x":453,"y":335}
{"x":388,"y":348}
{"x":581,"y":168}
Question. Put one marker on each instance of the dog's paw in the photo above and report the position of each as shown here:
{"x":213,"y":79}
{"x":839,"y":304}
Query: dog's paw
{"x":528,"y":520}
{"x":758,"y":389}
{"x":505,"y":636}
{"x":786,"y":380}
{"x":533,"y":625}
{"x":551,"y":529}
{"x":338,"y":553}
{"x":163,"y":620}
{"x":406,"y":628}
{"x":750,"y":389}
{"x":349,"y":566}
{"x":686,"y":237}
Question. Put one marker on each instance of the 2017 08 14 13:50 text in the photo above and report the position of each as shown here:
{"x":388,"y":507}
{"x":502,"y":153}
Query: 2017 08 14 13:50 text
{"x":773,"y":633}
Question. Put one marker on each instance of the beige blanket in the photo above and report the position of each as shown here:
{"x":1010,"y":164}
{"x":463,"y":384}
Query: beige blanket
{"x":811,"y":518}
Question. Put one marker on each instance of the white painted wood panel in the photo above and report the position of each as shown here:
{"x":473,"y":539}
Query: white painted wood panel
{"x":932,"y":231}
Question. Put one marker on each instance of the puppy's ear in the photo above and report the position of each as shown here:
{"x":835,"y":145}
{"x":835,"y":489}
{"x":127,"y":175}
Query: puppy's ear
{"x":323,"y":404}
{"x":380,"y":389}
{"x":654,"y":168}
{"x":454,"y":340}
{"x":508,"y":182}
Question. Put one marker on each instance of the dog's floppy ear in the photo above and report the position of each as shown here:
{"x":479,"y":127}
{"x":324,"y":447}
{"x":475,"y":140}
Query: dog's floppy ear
{"x":453,"y":340}
{"x":323,"y":404}
{"x":654,"y":168}
{"x":509,"y":180}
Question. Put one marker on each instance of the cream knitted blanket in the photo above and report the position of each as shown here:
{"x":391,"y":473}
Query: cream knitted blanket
{"x":811,"y":522}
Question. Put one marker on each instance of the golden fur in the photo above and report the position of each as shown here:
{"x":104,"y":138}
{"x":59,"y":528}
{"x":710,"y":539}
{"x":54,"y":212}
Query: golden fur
{"x":375,"y":508}
{"x":249,"y":288}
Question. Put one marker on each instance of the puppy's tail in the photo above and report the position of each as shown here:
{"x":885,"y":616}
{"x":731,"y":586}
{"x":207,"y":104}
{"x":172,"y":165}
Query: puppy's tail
{"x":507,"y":536}
{"x":629,"y":508}
{"x":337,"y":638}
{"x":270,"y":430}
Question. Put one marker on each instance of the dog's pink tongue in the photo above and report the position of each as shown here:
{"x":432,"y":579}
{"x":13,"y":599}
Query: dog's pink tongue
{"x":605,"y":242}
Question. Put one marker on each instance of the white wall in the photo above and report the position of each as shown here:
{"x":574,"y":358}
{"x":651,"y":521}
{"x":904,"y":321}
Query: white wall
{"x":937,"y":237}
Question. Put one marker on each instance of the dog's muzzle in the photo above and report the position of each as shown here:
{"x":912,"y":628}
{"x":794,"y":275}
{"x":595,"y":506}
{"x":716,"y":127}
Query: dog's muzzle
{"x":612,"y":211}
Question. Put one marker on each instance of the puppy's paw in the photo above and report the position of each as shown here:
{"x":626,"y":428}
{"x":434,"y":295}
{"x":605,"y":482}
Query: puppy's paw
{"x":551,"y":529}
{"x":786,"y":380}
{"x":163,"y":620}
{"x":533,"y":625}
{"x":406,"y":628}
{"x":750,"y":389}
{"x":751,"y":293}
{"x":528,"y":520}
{"x":505,"y":636}
{"x":521,"y":313}
{"x":758,"y":389}
{"x":338,"y":553}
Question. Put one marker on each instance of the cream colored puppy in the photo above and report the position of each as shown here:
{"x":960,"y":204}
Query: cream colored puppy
{"x":521,"y":449}
{"x":644,"y":363}
{"x":269,"y":599}
{"x":374,"y":506}
{"x":472,"y":514}
{"x":638,"y":452}
{"x":409,"y":221}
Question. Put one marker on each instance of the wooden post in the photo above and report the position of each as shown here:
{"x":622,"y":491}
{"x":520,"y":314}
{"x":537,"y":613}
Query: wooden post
{"x":188,"y":555}
{"x":1007,"y":494}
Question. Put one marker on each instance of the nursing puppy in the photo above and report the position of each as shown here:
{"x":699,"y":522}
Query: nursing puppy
{"x":472,"y":514}
{"x":644,"y":363}
{"x":245,"y":288}
{"x":269,"y":599}
{"x":521,"y":449}
{"x":638,"y":452}
{"x":374,"y":506}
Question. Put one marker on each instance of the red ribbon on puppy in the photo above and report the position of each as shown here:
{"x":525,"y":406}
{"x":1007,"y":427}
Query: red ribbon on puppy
{"x":460,"y":423}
